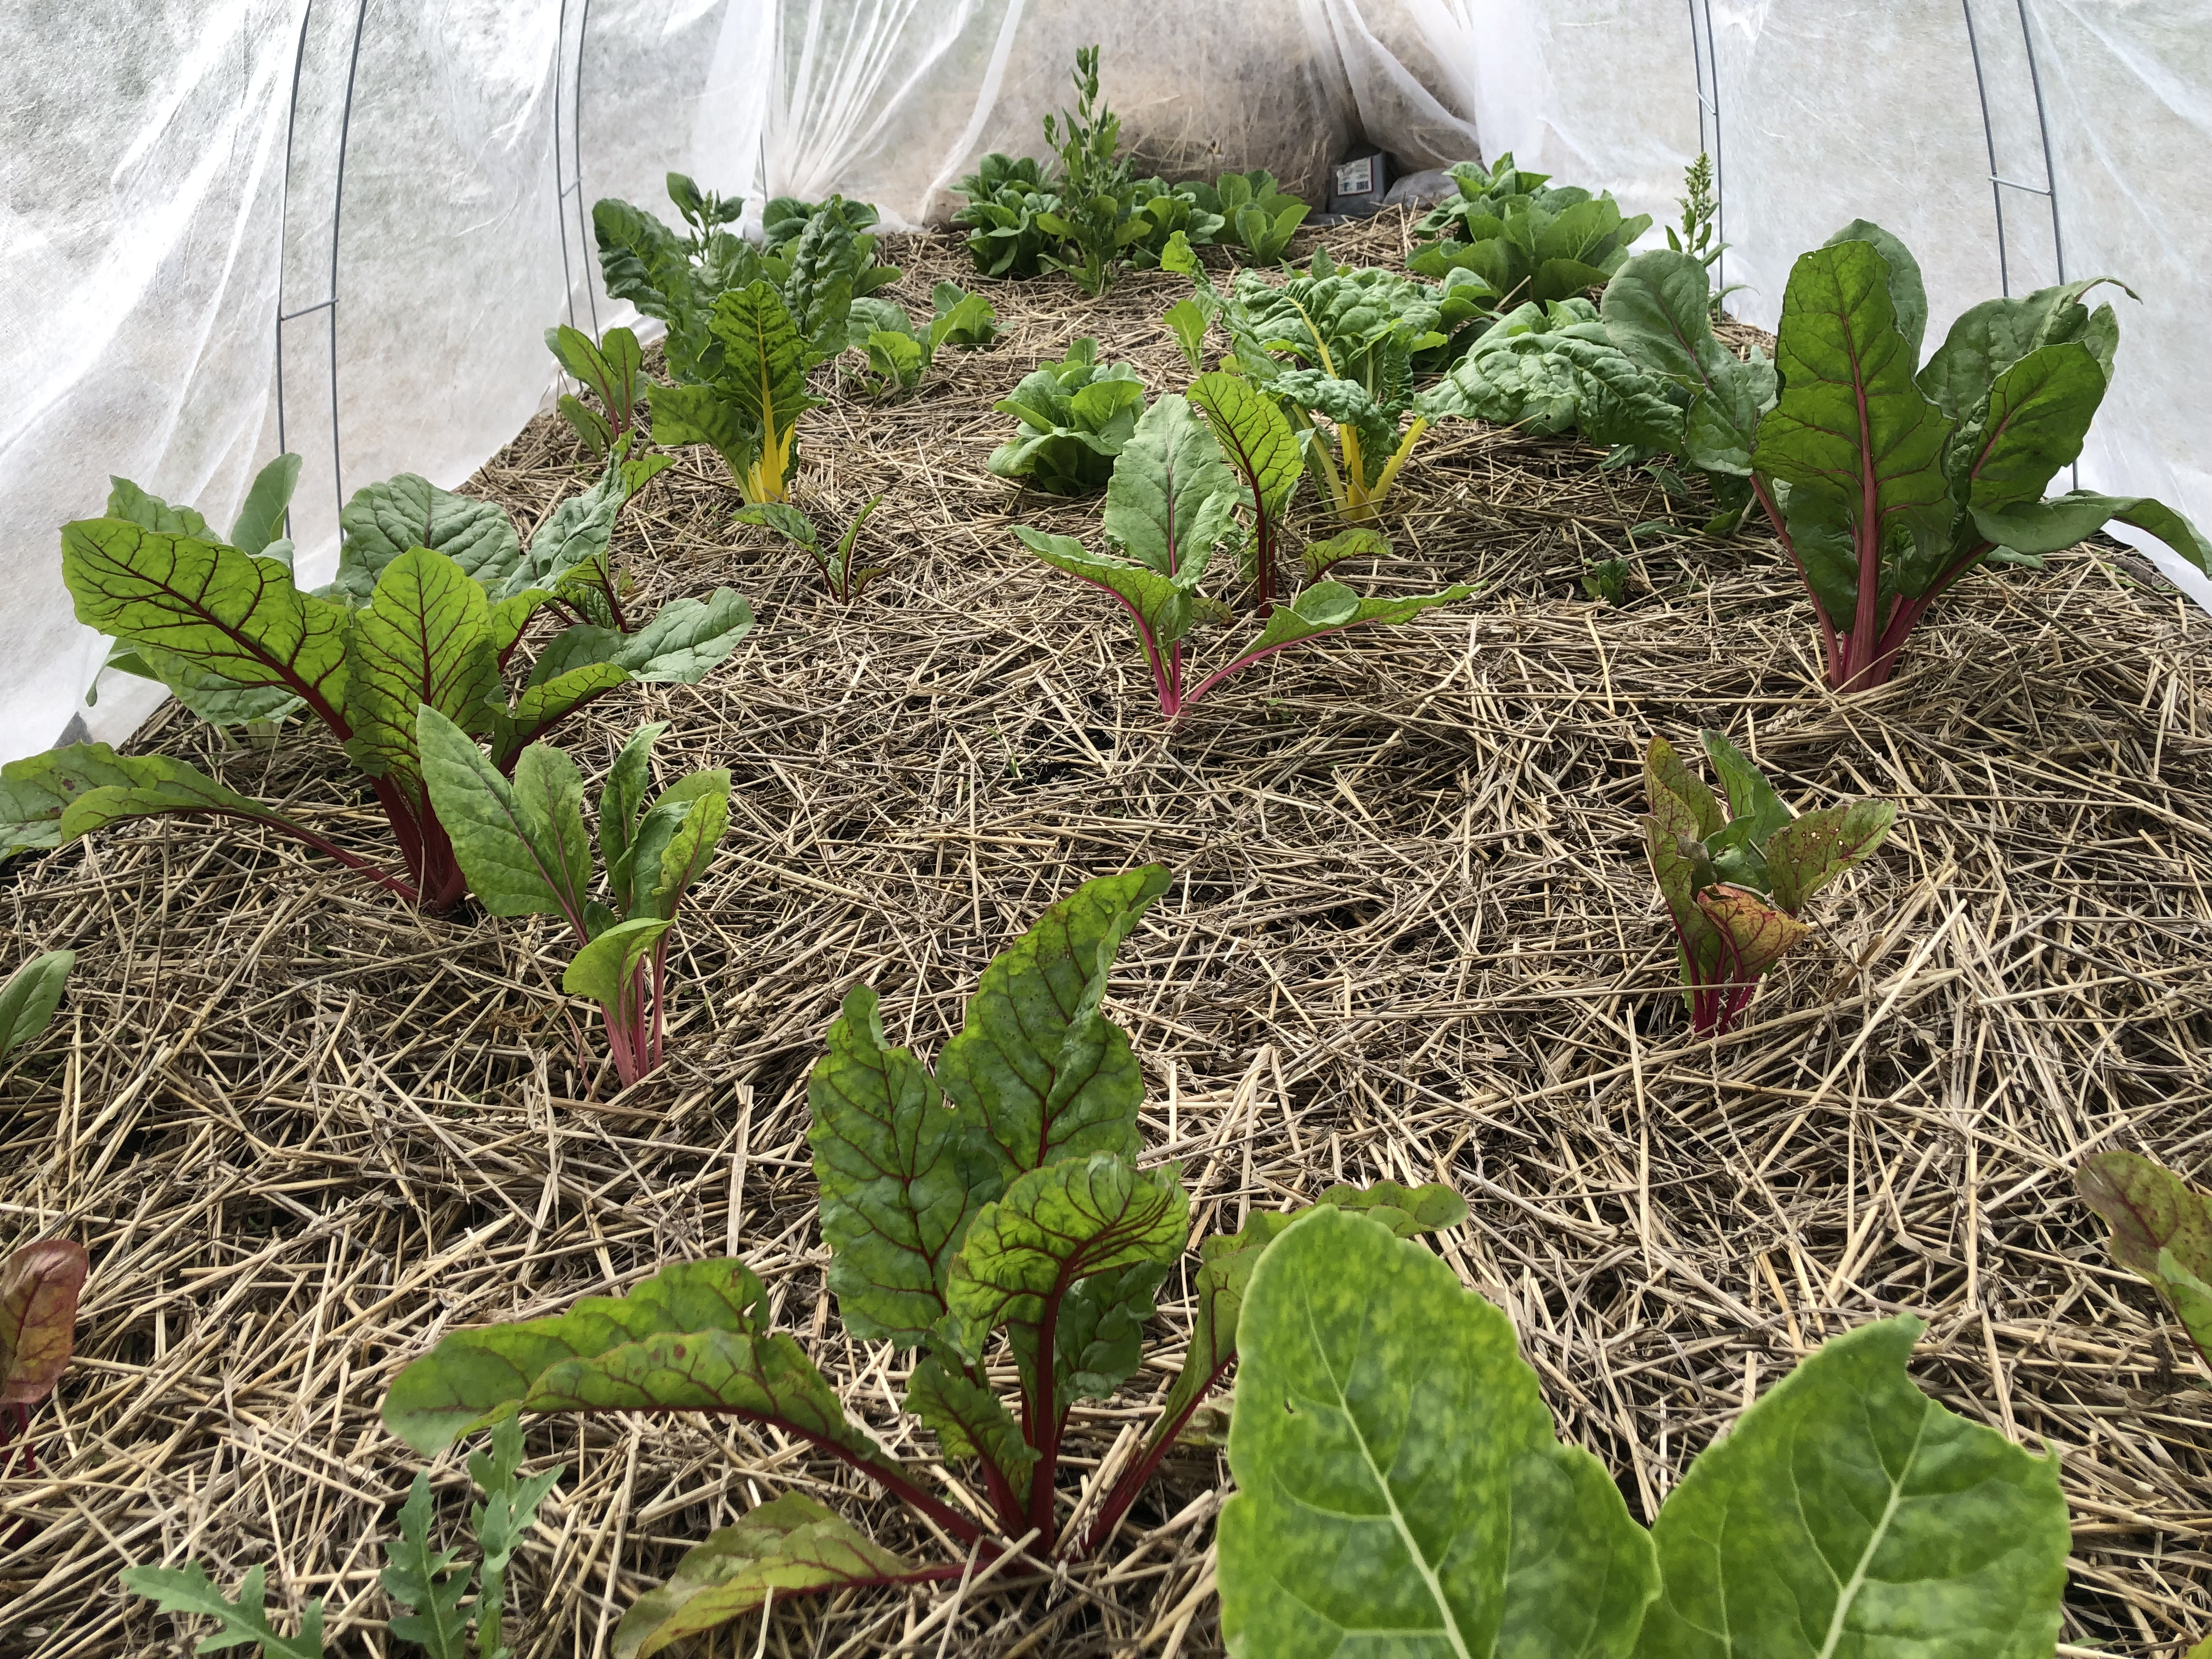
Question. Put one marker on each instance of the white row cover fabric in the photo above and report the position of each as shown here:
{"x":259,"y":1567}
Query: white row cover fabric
{"x":341,"y":226}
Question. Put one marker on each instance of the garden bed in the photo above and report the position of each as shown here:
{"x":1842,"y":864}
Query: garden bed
{"x":1412,"y":935}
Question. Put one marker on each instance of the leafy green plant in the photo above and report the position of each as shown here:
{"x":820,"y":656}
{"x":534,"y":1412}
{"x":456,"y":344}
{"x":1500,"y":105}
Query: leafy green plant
{"x":1096,"y":220}
{"x":1401,"y":1487}
{"x":1522,"y":239}
{"x":434,"y":598}
{"x":1005,"y":199}
{"x":521,"y":846}
{"x":1886,"y":486}
{"x":899,"y":354}
{"x":611,"y":368}
{"x":39,"y":1289}
{"x":1257,"y":443}
{"x":427,"y":1583}
{"x":786,"y":219}
{"x":1170,"y":505}
{"x":748,"y":410}
{"x":1015,"y":1219}
{"x":1076,"y":415}
{"x":704,"y":212}
{"x":844,"y":583}
{"x":29,"y":998}
{"x":1700,"y":213}
{"x":1256,"y":214}
{"x":1734,"y":877}
{"x":2161,"y":1229}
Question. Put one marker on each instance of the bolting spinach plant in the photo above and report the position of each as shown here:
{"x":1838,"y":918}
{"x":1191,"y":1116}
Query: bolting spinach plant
{"x":844,"y":583}
{"x":1887,"y":486}
{"x":521,"y":845}
{"x":1735,"y":876}
{"x":434,"y":597}
{"x":29,"y":998}
{"x":1096,"y":220}
{"x":39,"y":1287}
{"x":1400,"y":1488}
{"x":1076,"y":414}
{"x":1170,"y":505}
{"x":1002,"y":1194}
{"x":1523,"y":239}
{"x":2161,"y":1230}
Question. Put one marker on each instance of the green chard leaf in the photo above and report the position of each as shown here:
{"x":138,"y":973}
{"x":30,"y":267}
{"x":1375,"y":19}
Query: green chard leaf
{"x":423,"y":640}
{"x":2161,"y":1230}
{"x":789,"y":1547}
{"x":48,"y":798}
{"x":712,"y":415}
{"x":384,"y":519}
{"x":2056,"y":524}
{"x":1814,"y":849}
{"x":29,"y":998}
{"x":520,"y":844}
{"x":473,"y":1377}
{"x":1846,"y":1512}
{"x":606,"y":969}
{"x":901,"y":1177}
{"x":224,"y":611}
{"x":260,"y":521}
{"x":1399,"y":1479}
{"x":2032,"y":424}
{"x":1990,"y":337}
{"x":1047,"y":1076}
{"x":1252,"y":434}
{"x":39,"y":1287}
{"x":1658,"y":310}
{"x":969,"y":1421}
{"x":1171,"y":500}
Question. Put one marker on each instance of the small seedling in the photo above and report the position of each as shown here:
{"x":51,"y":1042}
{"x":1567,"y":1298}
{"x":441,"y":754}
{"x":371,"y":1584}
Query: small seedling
{"x":835,"y":564}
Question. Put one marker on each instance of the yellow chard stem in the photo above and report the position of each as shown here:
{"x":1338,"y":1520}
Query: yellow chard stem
{"x":1389,"y":474}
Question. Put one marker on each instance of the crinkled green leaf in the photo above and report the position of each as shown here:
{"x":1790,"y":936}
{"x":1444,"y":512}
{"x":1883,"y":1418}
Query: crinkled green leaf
{"x":712,"y":415}
{"x":1050,"y":1077}
{"x":1989,"y":338}
{"x":1077,"y":413}
{"x":384,"y":519}
{"x":1098,"y":1340}
{"x":474,"y":1376}
{"x":763,"y":357}
{"x":1253,"y":435}
{"x":1658,"y":310}
{"x":1811,"y":850}
{"x":423,"y":640}
{"x":540,"y":707}
{"x":243,"y":1622}
{"x":2032,"y":423}
{"x":1400,"y":1485}
{"x":29,"y":998}
{"x":2161,"y":1229}
{"x":39,"y":1288}
{"x":1847,"y":1513}
{"x":1057,"y":1225}
{"x":225,"y":611}
{"x":791,"y":1547}
{"x":902,"y":1175}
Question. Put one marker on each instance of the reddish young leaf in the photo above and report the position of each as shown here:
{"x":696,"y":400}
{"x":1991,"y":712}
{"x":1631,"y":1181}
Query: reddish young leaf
{"x":38,"y":1317}
{"x":2161,"y":1229}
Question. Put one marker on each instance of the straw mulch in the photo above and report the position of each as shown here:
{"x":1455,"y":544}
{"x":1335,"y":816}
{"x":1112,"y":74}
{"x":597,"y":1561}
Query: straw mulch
{"x":1410,"y":935}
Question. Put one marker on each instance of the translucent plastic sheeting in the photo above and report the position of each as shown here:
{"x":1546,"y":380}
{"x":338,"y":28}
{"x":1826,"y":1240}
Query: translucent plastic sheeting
{"x":407,"y":187}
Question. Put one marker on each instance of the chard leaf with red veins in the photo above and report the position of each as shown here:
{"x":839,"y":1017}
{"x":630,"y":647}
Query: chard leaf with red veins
{"x":39,"y":1289}
{"x":2161,"y":1229}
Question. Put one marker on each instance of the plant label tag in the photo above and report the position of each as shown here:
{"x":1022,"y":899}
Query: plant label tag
{"x":1356,"y":178}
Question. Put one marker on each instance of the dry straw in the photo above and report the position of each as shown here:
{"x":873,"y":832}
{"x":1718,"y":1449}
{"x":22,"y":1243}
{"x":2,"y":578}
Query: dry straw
{"x":304,"y":1132}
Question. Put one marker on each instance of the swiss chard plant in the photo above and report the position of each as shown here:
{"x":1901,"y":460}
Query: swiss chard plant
{"x":1735,"y":876}
{"x":39,"y":1288}
{"x":1171,"y":504}
{"x":1400,"y":1488}
{"x":900,"y":352}
{"x":845,"y":581}
{"x":1256,"y":214}
{"x":1006,"y":199}
{"x":1256,"y":440}
{"x":521,"y":844}
{"x":430,"y":1586}
{"x":611,"y":368}
{"x":996,"y":1209}
{"x":29,"y":998}
{"x":1523,"y":239}
{"x":1888,"y":485}
{"x":1096,"y":221}
{"x":2161,"y":1229}
{"x":747,"y":407}
{"x":1076,"y":415}
{"x":434,"y":599}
